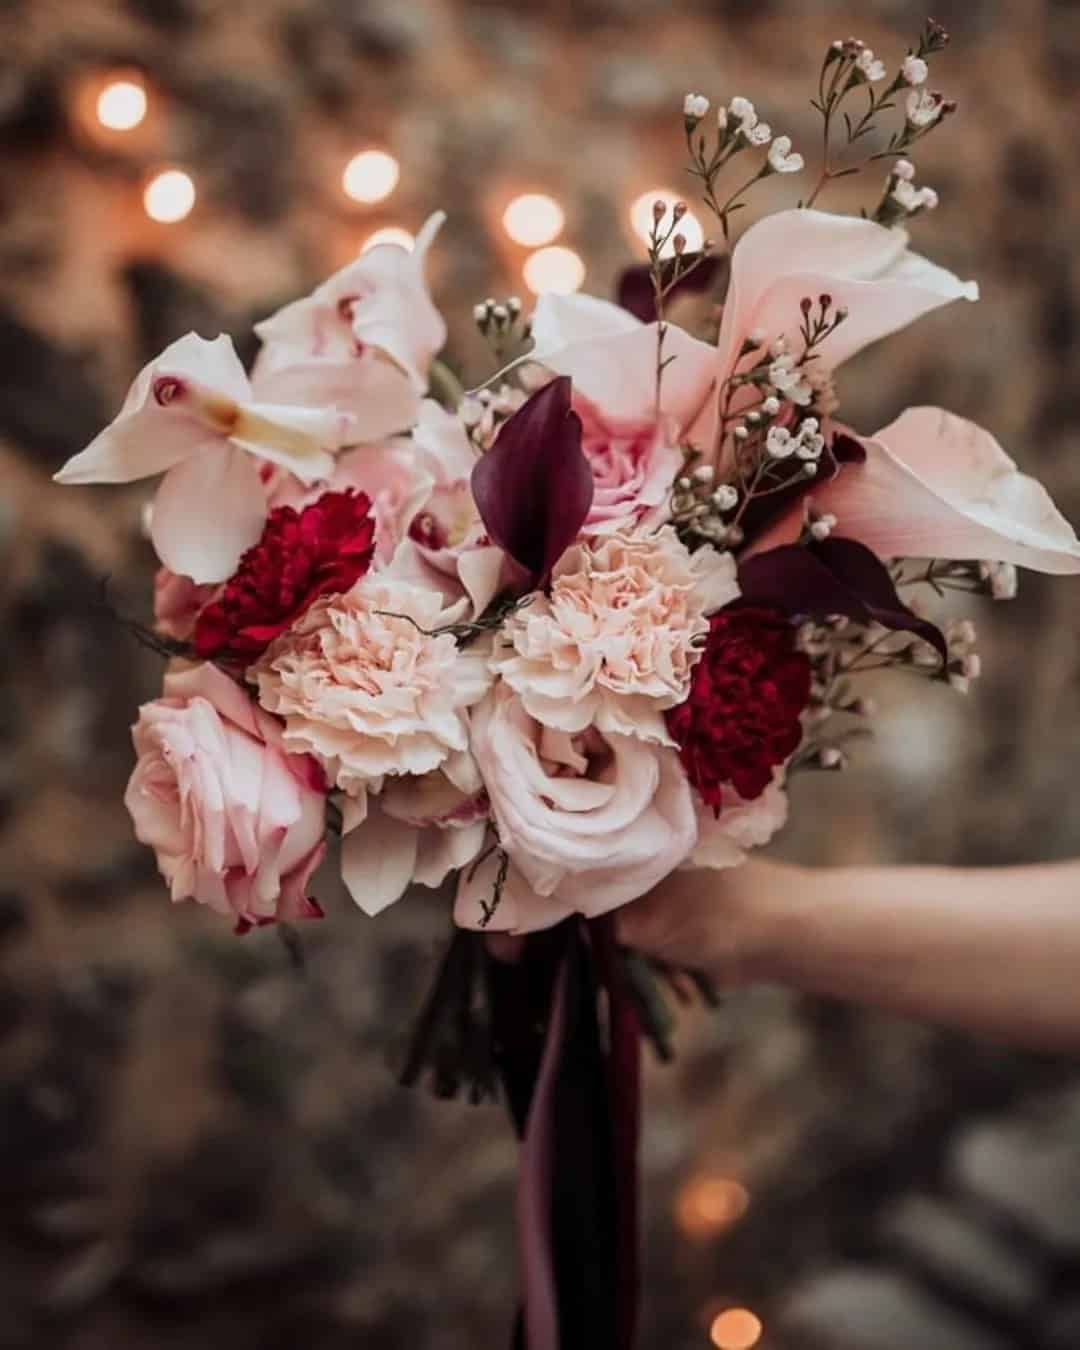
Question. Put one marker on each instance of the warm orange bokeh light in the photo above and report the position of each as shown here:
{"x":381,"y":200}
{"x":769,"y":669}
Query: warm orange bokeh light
{"x":555,"y":269}
{"x":706,"y":1206}
{"x":169,"y":197}
{"x":122,"y":104}
{"x":641,"y":220}
{"x":735,"y":1329}
{"x":370,"y":176}
{"x":533,"y":219}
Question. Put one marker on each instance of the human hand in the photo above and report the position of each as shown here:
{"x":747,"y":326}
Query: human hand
{"x":718,"y":922}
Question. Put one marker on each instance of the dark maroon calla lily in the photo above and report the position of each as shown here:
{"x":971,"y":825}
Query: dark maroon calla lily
{"x":635,"y":289}
{"x":835,"y":576}
{"x":534,"y":487}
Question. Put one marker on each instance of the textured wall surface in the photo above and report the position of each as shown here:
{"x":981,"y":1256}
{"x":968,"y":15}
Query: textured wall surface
{"x":203,"y":1147}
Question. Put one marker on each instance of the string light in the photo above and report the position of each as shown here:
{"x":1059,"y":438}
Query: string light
{"x":390,"y":234}
{"x":641,"y":220}
{"x":735,"y":1329}
{"x":706,"y":1206}
{"x":169,"y":196}
{"x":533,"y":219}
{"x":122,"y":104}
{"x":370,"y":176}
{"x":554,"y":269}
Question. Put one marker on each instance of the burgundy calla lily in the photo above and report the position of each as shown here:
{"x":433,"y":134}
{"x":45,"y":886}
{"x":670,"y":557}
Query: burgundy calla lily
{"x":534,"y":487}
{"x":835,"y":576}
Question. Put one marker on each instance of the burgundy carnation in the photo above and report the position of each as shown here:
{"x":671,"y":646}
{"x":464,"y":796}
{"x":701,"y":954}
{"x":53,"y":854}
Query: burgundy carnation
{"x":322,"y":550}
{"x":741,"y":718}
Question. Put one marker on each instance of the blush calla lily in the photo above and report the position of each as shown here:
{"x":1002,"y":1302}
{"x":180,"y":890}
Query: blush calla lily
{"x":934,"y":485}
{"x":191,"y":415}
{"x":863,"y":268}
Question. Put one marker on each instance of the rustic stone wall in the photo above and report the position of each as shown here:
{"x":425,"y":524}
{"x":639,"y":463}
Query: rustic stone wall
{"x":203,"y":1146}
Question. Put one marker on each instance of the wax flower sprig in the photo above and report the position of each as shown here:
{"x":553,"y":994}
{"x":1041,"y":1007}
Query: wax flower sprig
{"x":850,"y":65}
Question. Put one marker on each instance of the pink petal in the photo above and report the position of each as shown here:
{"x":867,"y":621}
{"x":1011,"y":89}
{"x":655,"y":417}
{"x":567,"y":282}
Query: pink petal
{"x":378,"y":396}
{"x":617,"y":372}
{"x":377,"y":861}
{"x":862,"y":266}
{"x":937,"y":486}
{"x":559,"y":320}
{"x":207,"y":512}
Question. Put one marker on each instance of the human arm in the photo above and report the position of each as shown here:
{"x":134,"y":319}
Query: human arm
{"x":991,"y":950}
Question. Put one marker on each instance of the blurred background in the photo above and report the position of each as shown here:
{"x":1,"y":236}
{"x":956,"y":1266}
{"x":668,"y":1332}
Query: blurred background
{"x":201,"y":1146}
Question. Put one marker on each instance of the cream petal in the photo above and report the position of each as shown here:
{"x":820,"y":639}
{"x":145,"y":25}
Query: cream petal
{"x":937,"y":486}
{"x":373,"y":391}
{"x":207,"y":512}
{"x":863,"y":266}
{"x":377,"y":861}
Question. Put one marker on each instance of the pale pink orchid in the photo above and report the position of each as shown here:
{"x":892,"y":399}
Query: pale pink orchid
{"x":191,"y":415}
{"x":379,"y":302}
{"x":937,"y":486}
{"x":447,"y":545}
{"x":861,"y":266}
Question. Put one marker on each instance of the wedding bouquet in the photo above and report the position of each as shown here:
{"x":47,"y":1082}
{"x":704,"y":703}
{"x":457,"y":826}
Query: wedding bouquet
{"x":545,"y":642}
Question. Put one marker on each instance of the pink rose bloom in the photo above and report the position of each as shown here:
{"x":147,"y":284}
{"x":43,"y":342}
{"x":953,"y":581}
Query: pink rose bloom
{"x":634,"y":463}
{"x":590,"y":821}
{"x":177,"y":602}
{"x":236,"y":822}
{"x":615,"y":642}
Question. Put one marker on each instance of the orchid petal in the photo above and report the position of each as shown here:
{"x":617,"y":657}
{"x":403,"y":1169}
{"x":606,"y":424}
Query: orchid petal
{"x":148,"y":437}
{"x":207,"y":512}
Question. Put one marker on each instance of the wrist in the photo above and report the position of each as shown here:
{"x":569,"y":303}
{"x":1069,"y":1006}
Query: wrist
{"x":771,"y":899}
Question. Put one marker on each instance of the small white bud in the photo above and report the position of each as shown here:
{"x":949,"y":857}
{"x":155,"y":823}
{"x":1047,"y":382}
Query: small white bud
{"x":480,"y":313}
{"x":972,"y":668}
{"x":923,"y":109}
{"x":684,"y":485}
{"x":771,"y":406}
{"x":695,"y":106}
{"x":782,"y":159}
{"x":928,"y":199}
{"x":1003,"y":581}
{"x":829,"y":757}
{"x":904,"y":169}
{"x":704,"y":473}
{"x":869,"y":67}
{"x":914,"y":70}
{"x":756,"y":337}
{"x":725,"y":498}
{"x":779,"y":443}
{"x":741,"y":433}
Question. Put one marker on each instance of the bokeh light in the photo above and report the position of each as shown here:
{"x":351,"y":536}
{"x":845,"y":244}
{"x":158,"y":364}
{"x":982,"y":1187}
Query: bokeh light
{"x":735,"y":1329}
{"x":533,"y":219}
{"x":169,"y":196}
{"x":706,"y":1206}
{"x":390,"y":234}
{"x":641,"y":220}
{"x":122,"y":104}
{"x":555,"y":269}
{"x":370,"y":176}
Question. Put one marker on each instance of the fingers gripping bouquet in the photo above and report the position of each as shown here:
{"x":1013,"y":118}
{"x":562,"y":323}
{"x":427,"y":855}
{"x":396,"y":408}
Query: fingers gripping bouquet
{"x":547,"y":642}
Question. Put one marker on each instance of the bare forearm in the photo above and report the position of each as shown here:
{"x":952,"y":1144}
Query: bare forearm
{"x":991,"y":950}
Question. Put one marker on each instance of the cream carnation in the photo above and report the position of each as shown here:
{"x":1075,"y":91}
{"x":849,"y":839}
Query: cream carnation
{"x":615,"y":642}
{"x":367,"y":686}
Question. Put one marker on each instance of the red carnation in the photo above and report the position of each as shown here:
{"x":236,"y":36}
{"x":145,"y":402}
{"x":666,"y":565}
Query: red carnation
{"x":322,"y":550}
{"x":741,"y":718}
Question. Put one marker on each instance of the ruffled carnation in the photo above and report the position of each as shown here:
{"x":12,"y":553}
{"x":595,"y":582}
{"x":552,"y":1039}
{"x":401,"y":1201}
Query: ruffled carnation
{"x":322,"y":550}
{"x":742,"y":717}
{"x":616,"y":641}
{"x":368,"y":687}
